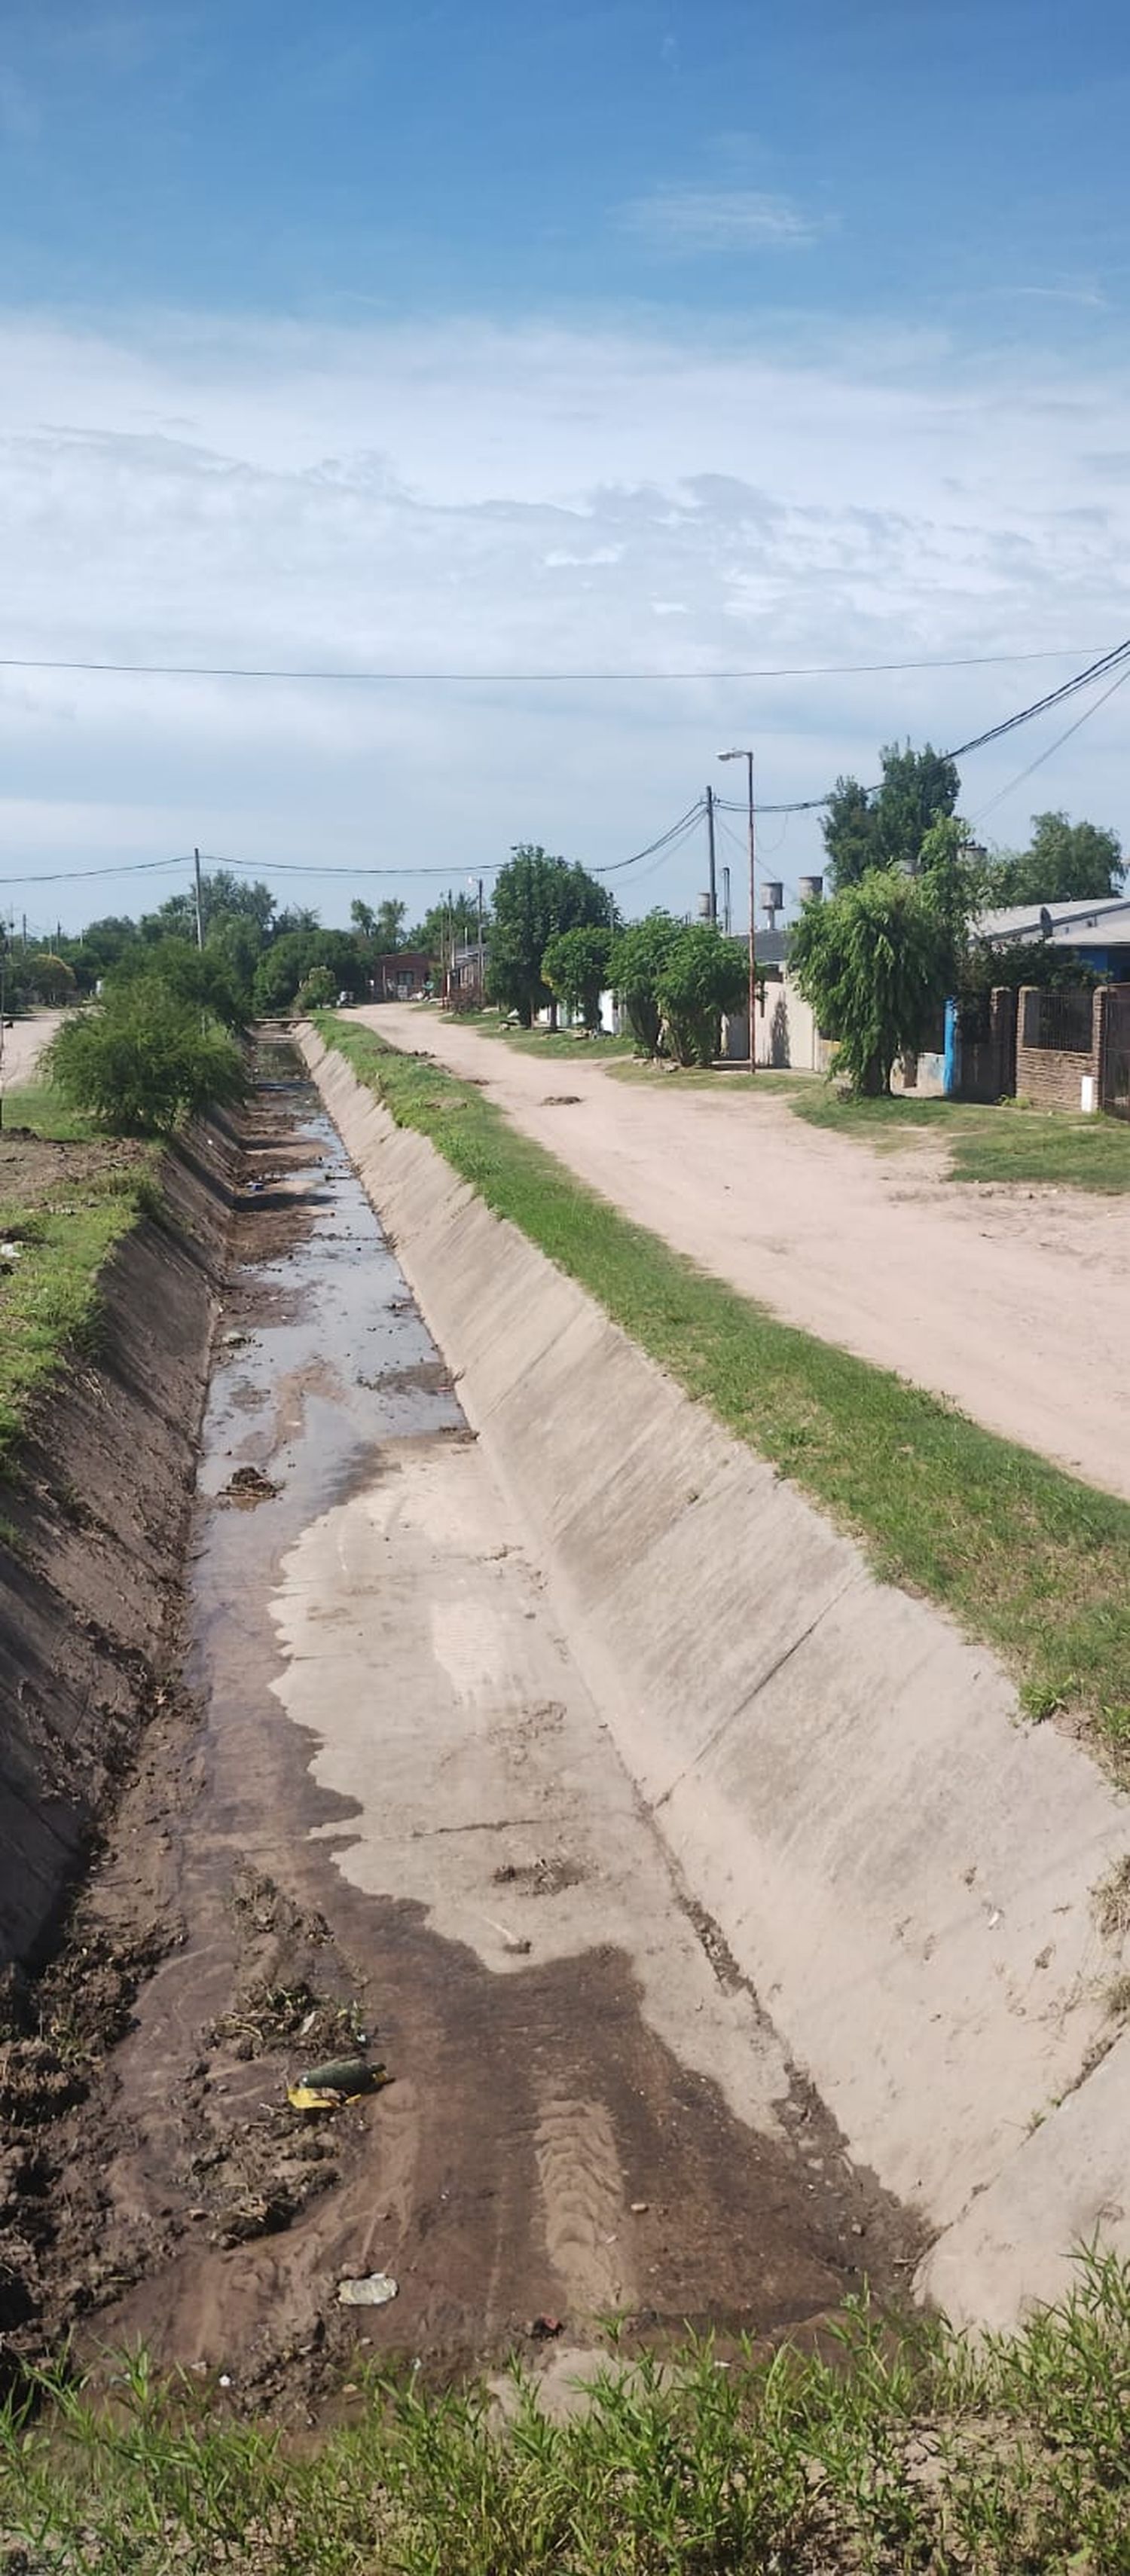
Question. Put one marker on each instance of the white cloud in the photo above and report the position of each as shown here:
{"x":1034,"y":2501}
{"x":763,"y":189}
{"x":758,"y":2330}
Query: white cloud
{"x":692,"y":220}
{"x":537,"y":499}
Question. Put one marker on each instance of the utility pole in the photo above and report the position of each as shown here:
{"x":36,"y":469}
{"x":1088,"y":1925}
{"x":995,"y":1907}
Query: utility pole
{"x":482,"y":969}
{"x":710,"y":847}
{"x":747,"y":756}
{"x":726,"y":901}
{"x":199,"y":902}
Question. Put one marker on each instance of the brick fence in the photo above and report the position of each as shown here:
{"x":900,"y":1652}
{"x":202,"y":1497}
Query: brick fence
{"x":1059,"y":1040}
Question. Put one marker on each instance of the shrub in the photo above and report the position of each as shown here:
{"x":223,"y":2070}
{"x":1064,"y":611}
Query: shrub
{"x":703,"y":975}
{"x":638,"y":958}
{"x":140,"y":1060}
{"x":317,"y":990}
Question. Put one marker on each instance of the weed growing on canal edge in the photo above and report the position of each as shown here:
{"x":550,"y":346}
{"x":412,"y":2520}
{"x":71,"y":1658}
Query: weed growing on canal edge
{"x":49,"y":1282}
{"x":1026,"y":1558}
{"x":902,"y":2451}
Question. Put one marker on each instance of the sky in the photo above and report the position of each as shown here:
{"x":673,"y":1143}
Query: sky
{"x":589,"y":353}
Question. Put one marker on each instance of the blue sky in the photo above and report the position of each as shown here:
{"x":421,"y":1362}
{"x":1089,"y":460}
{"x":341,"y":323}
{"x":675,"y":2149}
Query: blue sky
{"x":640,"y":337}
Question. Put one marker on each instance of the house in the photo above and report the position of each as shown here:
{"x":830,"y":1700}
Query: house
{"x":466,"y":972}
{"x":1096,"y":932}
{"x":401,"y":977}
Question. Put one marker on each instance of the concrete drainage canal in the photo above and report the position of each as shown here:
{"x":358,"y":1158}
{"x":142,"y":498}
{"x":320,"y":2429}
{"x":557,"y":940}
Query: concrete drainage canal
{"x":386,"y":1829}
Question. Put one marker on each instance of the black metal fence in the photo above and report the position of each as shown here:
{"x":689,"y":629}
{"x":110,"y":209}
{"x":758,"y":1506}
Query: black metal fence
{"x":1059,"y":1023}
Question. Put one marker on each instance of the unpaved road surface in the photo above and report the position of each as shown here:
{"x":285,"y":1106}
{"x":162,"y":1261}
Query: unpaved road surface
{"x":389,"y":1816}
{"x":1012,"y":1302}
{"x":23,"y":1045}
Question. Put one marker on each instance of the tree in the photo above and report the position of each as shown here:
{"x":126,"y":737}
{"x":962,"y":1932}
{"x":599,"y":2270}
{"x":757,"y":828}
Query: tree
{"x":221,"y":892}
{"x":317,"y":990}
{"x":139,"y":1060}
{"x":432,"y":933}
{"x":639,"y":954}
{"x":575,"y":967}
{"x":50,"y":977}
{"x":875,"y":961}
{"x":199,"y":977}
{"x":363,"y":918}
{"x":885,"y":827}
{"x":536,"y":896}
{"x":295,"y":916}
{"x":1065,"y":862}
{"x":702,"y":975}
{"x":390,"y":926}
{"x":281,"y":968}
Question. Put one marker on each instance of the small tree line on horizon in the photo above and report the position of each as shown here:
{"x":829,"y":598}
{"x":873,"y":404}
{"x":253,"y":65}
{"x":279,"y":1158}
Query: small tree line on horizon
{"x":892,"y":942}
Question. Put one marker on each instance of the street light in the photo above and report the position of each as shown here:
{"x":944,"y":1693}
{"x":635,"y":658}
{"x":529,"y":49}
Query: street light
{"x":747,"y":756}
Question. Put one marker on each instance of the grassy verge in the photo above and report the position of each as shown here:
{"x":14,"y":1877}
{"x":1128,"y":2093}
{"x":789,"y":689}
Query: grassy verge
{"x":1027,"y":1558}
{"x":548,"y":1042}
{"x":911,"y":2452}
{"x":1003,"y":1143}
{"x":62,"y":1235}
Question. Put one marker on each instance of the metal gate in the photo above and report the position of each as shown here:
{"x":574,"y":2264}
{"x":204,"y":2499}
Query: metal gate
{"x":1116,"y":1052}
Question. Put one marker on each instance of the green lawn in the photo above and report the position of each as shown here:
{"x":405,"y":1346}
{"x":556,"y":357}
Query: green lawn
{"x":548,"y":1042}
{"x":911,"y":2450}
{"x":999,"y":1143}
{"x":63,"y":1227}
{"x":1027,"y":1558}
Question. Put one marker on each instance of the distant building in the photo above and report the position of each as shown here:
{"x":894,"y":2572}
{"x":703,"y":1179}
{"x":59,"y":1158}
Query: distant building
{"x":1097,"y":933}
{"x":401,"y":977}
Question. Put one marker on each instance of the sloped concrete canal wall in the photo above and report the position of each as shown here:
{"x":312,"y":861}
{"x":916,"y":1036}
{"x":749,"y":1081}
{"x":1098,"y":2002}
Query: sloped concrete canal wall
{"x":903,"y":1868}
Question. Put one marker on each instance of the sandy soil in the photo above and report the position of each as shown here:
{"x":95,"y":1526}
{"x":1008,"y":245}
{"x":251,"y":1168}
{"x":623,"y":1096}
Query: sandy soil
{"x":23,"y":1043}
{"x":1010,"y":1301}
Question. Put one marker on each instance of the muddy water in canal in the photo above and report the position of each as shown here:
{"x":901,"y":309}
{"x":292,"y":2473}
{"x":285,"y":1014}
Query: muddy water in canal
{"x":390,"y":1818}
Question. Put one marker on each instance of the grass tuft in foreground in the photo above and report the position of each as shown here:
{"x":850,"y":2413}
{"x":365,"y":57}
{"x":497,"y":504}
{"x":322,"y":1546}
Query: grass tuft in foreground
{"x":911,"y":2451}
{"x":1027,"y":1558}
{"x":61,"y":1231}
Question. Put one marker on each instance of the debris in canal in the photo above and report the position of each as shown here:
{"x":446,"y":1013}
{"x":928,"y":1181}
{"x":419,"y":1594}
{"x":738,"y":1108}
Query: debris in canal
{"x":248,"y":1486}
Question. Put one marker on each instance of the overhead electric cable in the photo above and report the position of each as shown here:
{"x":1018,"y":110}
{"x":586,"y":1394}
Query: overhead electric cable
{"x":526,"y":679}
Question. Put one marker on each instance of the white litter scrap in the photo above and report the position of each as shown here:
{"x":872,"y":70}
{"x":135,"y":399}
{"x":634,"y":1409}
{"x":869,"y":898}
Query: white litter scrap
{"x":373,"y":2290}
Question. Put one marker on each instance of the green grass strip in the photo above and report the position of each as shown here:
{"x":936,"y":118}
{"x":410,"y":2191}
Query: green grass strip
{"x":1027,"y":1558}
{"x":1000,"y":1144}
{"x":917,"y":2450}
{"x":49,"y":1295}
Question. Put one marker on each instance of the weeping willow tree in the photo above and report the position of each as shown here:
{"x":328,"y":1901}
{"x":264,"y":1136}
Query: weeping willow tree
{"x":875,"y":962}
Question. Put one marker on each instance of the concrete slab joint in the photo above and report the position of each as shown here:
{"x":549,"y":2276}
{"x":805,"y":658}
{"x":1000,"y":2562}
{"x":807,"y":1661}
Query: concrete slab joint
{"x":901,"y":1867}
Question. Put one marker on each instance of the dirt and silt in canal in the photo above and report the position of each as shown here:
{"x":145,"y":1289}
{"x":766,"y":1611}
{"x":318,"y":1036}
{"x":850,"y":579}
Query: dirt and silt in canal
{"x":378,"y":1816}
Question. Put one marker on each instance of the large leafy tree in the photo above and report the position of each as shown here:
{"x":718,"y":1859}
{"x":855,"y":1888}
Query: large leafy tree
{"x":1063,"y":862}
{"x":200,"y":979}
{"x":875,"y":962}
{"x":885,"y":827}
{"x":535,"y":897}
{"x":639,"y":955}
{"x":702,"y":975}
{"x":222,"y":893}
{"x":575,"y":967}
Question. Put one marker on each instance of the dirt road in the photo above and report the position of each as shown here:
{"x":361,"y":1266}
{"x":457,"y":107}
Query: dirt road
{"x":24,"y":1043}
{"x":1012,"y":1302}
{"x":391,"y":1809}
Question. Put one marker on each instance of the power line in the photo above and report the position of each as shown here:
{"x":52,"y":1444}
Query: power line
{"x":1055,"y":746}
{"x":308,"y":869}
{"x":1117,"y":659}
{"x":528,"y":679}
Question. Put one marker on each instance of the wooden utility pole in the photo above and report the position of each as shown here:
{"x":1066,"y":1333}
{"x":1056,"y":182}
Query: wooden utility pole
{"x":747,"y":756}
{"x":199,"y":902}
{"x":710,"y":848}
